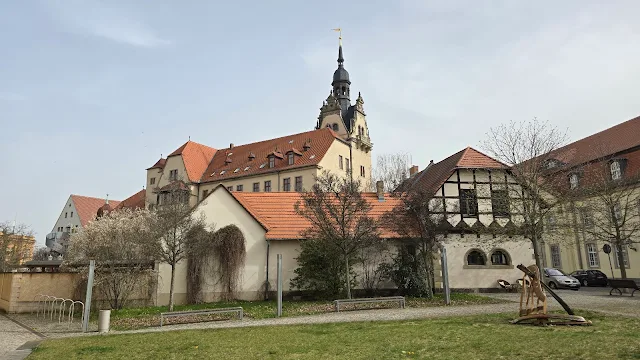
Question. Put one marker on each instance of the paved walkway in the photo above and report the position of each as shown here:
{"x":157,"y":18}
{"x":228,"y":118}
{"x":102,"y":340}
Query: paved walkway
{"x":12,"y":336}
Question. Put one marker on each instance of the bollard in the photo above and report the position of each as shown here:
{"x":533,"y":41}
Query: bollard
{"x":103,"y":321}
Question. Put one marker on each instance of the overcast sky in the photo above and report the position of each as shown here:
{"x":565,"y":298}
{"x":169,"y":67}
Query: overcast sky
{"x":92,"y":92}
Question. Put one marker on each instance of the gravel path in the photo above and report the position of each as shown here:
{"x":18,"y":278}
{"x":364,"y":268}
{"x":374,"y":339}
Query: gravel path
{"x":12,"y":336}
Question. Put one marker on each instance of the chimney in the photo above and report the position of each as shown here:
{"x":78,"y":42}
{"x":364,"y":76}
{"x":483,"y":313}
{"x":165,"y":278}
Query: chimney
{"x":231,"y":146}
{"x":413,"y":170}
{"x":380,"y":190}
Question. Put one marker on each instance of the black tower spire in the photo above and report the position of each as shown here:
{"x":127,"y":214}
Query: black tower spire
{"x":341,"y":82}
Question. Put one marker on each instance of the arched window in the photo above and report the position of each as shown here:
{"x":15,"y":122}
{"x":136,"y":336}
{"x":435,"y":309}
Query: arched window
{"x":335,"y":127}
{"x":475,"y":257}
{"x":344,"y":90}
{"x":499,"y":257}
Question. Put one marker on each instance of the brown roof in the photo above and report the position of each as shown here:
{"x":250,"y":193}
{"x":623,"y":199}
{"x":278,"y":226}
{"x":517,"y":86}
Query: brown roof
{"x":87,"y":207}
{"x":159,"y":164}
{"x":196,"y":157}
{"x":275,"y":212}
{"x":243,"y":160}
{"x":135,"y":201}
{"x":433,"y":176}
{"x":607,"y":142}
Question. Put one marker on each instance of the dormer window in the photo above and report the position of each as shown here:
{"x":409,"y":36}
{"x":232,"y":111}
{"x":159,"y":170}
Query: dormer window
{"x":574,"y":181}
{"x":272,"y":161}
{"x":616,"y":170}
{"x":291,"y":157}
{"x":551,"y":163}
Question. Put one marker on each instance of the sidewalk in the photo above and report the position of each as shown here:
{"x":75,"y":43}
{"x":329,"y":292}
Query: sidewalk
{"x":12,"y":336}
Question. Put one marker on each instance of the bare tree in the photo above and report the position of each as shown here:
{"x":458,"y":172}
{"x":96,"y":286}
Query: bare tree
{"x":339,"y":220}
{"x":607,"y":194}
{"x":41,"y":253}
{"x":528,"y":147}
{"x":175,"y":224}
{"x":16,"y":245}
{"x":391,"y":169}
{"x":121,"y":244}
{"x":421,"y":219}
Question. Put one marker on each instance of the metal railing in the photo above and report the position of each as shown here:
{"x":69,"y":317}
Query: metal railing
{"x":52,"y":307}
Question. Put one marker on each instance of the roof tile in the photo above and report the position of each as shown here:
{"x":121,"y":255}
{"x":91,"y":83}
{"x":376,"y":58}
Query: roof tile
{"x":196,"y":158}
{"x":87,"y":207}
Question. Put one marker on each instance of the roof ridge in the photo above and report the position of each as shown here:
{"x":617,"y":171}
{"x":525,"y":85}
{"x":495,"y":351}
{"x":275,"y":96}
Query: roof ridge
{"x":281,"y":137}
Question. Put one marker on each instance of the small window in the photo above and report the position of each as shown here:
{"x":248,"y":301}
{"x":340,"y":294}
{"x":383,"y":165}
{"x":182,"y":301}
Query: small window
{"x":239,"y":187}
{"x":222,"y":172}
{"x":152,"y":181}
{"x":499,"y":257}
{"x":291,"y":158}
{"x":500,"y":202}
{"x":625,"y":256}
{"x":247,"y":168}
{"x":616,"y":171}
{"x":71,"y":214}
{"x":256,"y":187}
{"x":335,"y":127}
{"x":263,"y":165}
{"x":267,"y":186}
{"x":551,"y":222}
{"x":286,"y":184}
{"x":173,"y":175}
{"x":574,"y":181}
{"x":340,"y":162}
{"x":592,"y":255}
{"x":69,"y":204}
{"x":230,"y":188}
{"x":586,"y":218}
{"x":290,"y":141}
{"x":556,"y":260}
{"x":236,"y":170}
{"x":298,"y":184}
{"x":361,"y":170}
{"x":65,"y":215}
{"x":468,"y":202}
{"x":205,"y":193}
{"x":617,"y":211}
{"x":312,"y":156}
{"x":475,"y":257}
{"x":272,"y":161}
{"x":347,"y":166}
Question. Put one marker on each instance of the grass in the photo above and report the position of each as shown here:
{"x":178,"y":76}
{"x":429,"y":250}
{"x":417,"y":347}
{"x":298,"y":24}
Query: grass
{"x":128,"y":319}
{"x":472,"y":337}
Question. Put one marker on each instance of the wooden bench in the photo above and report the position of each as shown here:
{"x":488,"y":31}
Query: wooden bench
{"x":617,"y":284}
{"x":399,"y":299}
{"x":237,"y":310}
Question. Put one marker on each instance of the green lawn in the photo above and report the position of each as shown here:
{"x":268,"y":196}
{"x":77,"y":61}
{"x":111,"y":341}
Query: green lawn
{"x":477,"y":337}
{"x":127,"y":319}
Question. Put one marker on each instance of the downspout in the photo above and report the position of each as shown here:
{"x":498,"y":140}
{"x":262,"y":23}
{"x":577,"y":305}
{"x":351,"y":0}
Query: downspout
{"x":575,"y":233}
{"x":278,"y":172}
{"x":266,"y":293}
{"x":350,"y":159}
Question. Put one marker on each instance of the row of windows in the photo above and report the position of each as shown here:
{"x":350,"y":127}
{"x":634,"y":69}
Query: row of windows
{"x":593,"y":256}
{"x":478,"y":258}
{"x":586,"y":216}
{"x":469,"y":202}
{"x":65,"y":215}
{"x":286,"y":186}
{"x":67,"y":229}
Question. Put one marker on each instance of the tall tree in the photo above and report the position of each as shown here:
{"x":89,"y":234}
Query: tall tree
{"x":340,"y":223}
{"x":421,"y":220}
{"x":16,"y":244}
{"x":176,"y":227}
{"x":121,"y":243}
{"x":607,"y":194}
{"x":391,"y":169}
{"x":528,"y":147}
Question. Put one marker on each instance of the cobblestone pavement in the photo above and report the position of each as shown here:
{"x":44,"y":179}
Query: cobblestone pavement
{"x":12,"y":336}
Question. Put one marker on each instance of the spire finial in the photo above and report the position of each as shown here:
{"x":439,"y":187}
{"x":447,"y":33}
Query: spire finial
{"x":340,"y":57}
{"x":106,"y":200}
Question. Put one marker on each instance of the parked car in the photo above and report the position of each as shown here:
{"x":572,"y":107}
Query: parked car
{"x":590,"y":277}
{"x":556,"y":279}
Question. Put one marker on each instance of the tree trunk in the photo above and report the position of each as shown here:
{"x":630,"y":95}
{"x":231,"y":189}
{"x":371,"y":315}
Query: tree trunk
{"x":536,"y":252}
{"x":620,"y":255}
{"x":346,"y":262}
{"x":173,"y":280}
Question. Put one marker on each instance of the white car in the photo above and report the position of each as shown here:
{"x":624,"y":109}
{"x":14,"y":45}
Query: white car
{"x":556,"y":279}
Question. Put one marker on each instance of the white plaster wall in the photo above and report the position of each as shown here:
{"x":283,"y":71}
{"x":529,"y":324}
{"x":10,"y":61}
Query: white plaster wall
{"x":462,"y":276}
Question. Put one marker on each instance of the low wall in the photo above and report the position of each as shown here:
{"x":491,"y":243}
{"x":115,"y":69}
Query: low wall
{"x":18,"y":291}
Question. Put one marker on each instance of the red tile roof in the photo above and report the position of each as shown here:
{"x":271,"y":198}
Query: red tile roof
{"x":613,"y":140}
{"x":87,"y":207}
{"x":275,"y":212}
{"x":433,"y":176}
{"x":135,"y":201}
{"x":196,"y":158}
{"x":248,"y":159}
{"x":159,"y":164}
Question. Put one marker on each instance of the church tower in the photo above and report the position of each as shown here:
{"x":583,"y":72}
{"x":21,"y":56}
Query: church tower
{"x":337,"y":112}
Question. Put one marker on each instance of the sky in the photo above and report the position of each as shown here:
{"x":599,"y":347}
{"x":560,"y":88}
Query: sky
{"x":93,"y":92}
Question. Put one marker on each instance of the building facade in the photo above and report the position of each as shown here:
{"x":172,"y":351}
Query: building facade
{"x":339,"y":143}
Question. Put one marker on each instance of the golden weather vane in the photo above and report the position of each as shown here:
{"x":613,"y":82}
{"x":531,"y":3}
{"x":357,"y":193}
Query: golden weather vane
{"x":339,"y":30}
